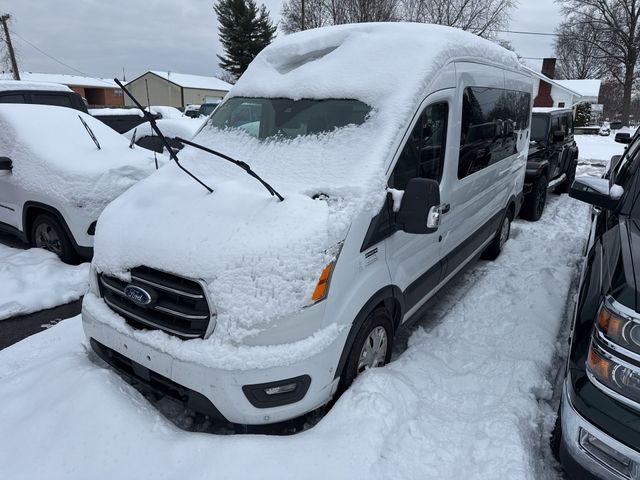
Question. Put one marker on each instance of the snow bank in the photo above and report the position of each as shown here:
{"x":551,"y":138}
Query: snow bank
{"x":461,"y":402}
{"x":36,"y":279}
{"x":598,"y":148}
{"x":261,"y":258}
{"x":54,"y":155}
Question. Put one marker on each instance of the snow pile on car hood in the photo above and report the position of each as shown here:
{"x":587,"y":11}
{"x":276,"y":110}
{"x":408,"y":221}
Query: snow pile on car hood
{"x":53,"y":154}
{"x":261,"y":258}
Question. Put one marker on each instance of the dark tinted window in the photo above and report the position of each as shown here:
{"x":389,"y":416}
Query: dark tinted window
{"x":286,"y":118}
{"x":423,"y":154}
{"x":539,"y":126}
{"x":492,"y":119}
{"x":51,"y":99}
{"x":12,"y":98}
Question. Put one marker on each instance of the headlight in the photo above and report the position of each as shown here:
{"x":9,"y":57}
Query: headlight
{"x":619,"y":329}
{"x":322,"y":287}
{"x":614,"y":374}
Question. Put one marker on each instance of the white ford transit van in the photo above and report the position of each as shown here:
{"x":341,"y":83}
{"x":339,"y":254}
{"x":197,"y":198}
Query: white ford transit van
{"x":399,"y":151}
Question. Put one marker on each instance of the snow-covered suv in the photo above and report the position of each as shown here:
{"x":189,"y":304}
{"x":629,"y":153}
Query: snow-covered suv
{"x":58,"y":169}
{"x":382,"y":159}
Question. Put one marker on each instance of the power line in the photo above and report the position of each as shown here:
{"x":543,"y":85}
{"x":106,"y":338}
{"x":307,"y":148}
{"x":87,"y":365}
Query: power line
{"x":56,"y":60}
{"x":520,"y":32}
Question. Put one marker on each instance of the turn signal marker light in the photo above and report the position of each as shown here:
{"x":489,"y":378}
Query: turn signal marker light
{"x":323,"y":284}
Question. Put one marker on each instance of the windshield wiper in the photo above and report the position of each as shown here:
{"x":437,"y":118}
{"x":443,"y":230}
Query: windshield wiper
{"x":239,"y":163}
{"x":152,"y":122}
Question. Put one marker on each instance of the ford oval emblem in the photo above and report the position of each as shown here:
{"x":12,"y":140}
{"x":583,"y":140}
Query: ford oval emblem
{"x":137,"y":295}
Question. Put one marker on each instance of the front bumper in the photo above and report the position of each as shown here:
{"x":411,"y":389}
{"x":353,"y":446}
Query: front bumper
{"x":207,"y":387}
{"x":578,"y":461}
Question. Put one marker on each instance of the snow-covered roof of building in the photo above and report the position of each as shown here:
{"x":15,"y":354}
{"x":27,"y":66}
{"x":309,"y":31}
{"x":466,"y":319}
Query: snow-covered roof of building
{"x":14,"y":85}
{"x":194,"y":81}
{"x":586,"y":88}
{"x":63,"y":79}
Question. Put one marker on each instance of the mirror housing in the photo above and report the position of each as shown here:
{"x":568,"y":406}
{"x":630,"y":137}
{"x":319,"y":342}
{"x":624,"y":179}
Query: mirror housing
{"x":558,"y":136}
{"x":6,"y":163}
{"x":596,"y":192}
{"x":623,"y":137}
{"x":420,"y":195}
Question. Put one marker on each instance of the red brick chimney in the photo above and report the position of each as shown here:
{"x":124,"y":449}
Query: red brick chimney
{"x":544,"y":91}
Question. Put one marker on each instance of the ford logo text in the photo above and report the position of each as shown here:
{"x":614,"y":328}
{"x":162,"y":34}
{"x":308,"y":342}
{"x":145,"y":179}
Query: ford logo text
{"x":137,"y":295}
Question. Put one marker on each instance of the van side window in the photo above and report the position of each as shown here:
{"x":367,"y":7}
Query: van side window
{"x":492,"y":119}
{"x":13,"y":98}
{"x":423,"y":154}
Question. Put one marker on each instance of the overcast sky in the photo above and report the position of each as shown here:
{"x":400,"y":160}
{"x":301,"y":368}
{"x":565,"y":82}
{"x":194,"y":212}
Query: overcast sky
{"x":101,"y":37}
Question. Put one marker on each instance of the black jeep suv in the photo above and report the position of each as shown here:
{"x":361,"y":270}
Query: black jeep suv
{"x":552,"y":160}
{"x":598,"y":431}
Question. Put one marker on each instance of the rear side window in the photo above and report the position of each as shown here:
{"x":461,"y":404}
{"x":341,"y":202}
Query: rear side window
{"x":492,"y":119}
{"x":12,"y":98}
{"x":423,"y":154}
{"x":51,"y":99}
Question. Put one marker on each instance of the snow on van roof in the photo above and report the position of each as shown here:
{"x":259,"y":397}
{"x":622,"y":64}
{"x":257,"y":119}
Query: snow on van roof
{"x":549,"y":109}
{"x":54,"y":155}
{"x":376,"y":63}
{"x":261,"y":258}
{"x":15,"y":85}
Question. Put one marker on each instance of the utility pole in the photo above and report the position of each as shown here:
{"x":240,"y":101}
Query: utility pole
{"x":12,"y":55}
{"x":302,"y":15}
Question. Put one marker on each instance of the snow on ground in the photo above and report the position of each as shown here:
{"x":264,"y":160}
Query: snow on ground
{"x":36,"y":279}
{"x":595,"y":152}
{"x":462,"y":401}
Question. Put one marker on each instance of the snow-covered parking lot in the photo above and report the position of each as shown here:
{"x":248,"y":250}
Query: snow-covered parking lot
{"x":469,"y":396}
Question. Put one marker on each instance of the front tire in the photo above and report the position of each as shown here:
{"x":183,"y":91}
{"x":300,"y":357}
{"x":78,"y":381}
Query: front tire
{"x":536,"y":200}
{"x":371,"y":347}
{"x":47,"y":232}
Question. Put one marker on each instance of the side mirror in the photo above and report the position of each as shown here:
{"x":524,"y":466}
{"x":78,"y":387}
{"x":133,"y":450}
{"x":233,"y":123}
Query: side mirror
{"x":623,"y":137}
{"x":420,"y":197}
{"x":596,"y":192}
{"x":6,"y":163}
{"x":558,"y":136}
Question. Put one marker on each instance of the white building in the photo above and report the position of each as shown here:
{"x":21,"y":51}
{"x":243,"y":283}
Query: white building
{"x":176,"y":89}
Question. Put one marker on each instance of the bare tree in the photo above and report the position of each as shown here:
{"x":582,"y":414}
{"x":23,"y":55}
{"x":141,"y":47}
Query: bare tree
{"x":617,"y":25}
{"x":577,"y":52}
{"x":482,"y":17}
{"x":317,"y":13}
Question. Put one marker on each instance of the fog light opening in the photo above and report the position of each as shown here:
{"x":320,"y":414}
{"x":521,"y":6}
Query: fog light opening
{"x":606,"y":455}
{"x":281,"y":389}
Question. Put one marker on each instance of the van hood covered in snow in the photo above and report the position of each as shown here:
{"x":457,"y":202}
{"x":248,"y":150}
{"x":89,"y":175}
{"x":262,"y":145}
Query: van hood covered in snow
{"x":261,"y":258}
{"x":53,"y":153}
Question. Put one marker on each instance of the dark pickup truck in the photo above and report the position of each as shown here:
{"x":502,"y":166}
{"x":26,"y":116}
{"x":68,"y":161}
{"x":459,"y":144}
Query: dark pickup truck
{"x":552,"y":160}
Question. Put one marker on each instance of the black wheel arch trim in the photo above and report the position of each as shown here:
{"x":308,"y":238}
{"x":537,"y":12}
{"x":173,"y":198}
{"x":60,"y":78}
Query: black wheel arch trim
{"x":392,"y":298}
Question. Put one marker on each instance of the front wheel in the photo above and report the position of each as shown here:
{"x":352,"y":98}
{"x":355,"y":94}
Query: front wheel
{"x":48,"y":233}
{"x":371,"y":347}
{"x":535,"y":201}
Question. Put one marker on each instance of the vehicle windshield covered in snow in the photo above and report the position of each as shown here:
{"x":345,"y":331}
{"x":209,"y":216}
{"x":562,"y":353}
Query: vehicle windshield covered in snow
{"x":286,"y":118}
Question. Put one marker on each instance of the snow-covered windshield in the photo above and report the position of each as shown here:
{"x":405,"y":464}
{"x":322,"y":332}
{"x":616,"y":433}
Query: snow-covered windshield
{"x":539,"y":128}
{"x":285,"y":118}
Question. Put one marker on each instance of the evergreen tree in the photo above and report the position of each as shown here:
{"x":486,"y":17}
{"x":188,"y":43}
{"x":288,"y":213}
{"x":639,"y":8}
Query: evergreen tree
{"x":244,"y":31}
{"x":583,"y":114}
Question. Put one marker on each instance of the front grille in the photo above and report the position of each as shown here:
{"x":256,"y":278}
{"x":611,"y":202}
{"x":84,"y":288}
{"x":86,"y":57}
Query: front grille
{"x":179,"y":305}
